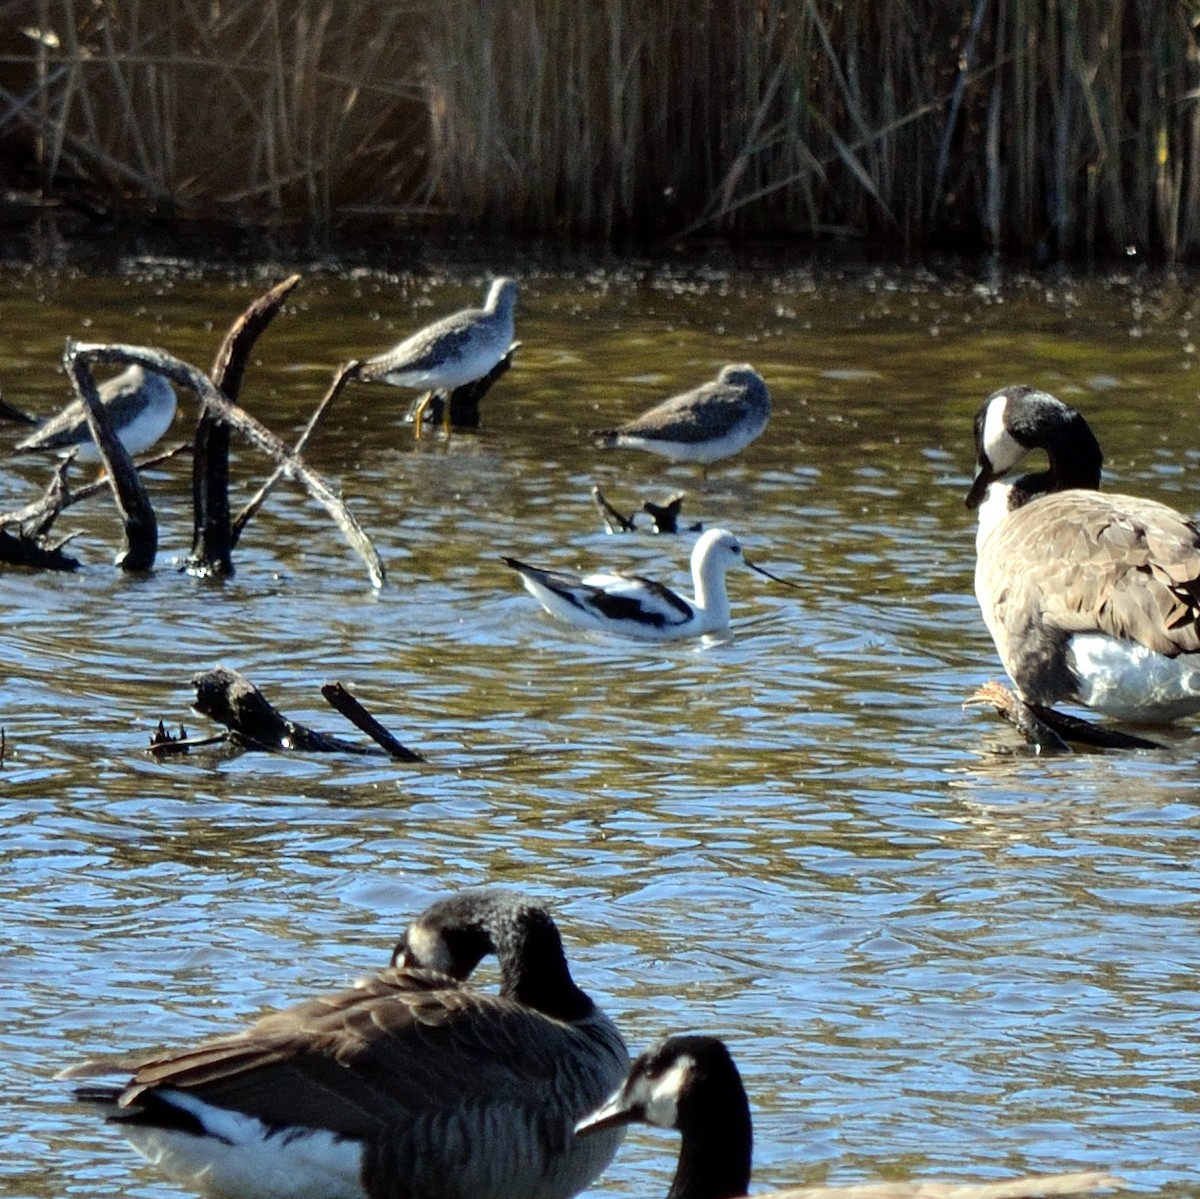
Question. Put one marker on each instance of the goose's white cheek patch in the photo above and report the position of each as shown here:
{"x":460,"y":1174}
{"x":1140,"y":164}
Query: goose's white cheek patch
{"x":1003,"y":450}
{"x":663,"y":1105}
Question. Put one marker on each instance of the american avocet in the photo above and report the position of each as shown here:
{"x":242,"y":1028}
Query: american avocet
{"x":141,"y":407}
{"x":409,"y":1083}
{"x":454,"y":351}
{"x":636,"y":607}
{"x":703,"y":425}
{"x":692,"y":1084}
{"x":1090,"y":596}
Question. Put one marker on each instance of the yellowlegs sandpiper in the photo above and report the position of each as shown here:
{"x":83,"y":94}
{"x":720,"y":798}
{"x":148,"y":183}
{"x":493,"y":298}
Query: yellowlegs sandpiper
{"x":637,"y":607}
{"x":141,"y":407}
{"x":454,"y":351}
{"x":703,"y":425}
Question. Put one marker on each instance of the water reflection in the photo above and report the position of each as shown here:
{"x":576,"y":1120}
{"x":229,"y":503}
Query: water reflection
{"x":929,"y":951}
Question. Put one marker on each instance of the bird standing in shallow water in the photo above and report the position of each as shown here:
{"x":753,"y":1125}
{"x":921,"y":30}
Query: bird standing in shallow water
{"x":637,"y":607}
{"x":454,"y":351}
{"x":141,"y":406}
{"x":408,"y":1083}
{"x":703,"y":425}
{"x":691,"y":1084}
{"x":1091,"y":597}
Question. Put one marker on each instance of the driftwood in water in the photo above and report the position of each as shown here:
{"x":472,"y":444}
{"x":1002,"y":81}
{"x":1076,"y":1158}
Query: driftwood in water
{"x":340,"y":379}
{"x":1049,"y":731}
{"x":137,"y":513}
{"x":233,"y":700}
{"x":29,"y":544}
{"x":213,"y":535}
{"x":250,"y":430}
{"x":665,"y":516}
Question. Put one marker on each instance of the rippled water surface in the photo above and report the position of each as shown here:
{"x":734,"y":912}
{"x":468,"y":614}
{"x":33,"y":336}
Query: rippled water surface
{"x":931,"y":951}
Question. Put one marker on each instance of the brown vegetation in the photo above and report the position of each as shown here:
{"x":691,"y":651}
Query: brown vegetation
{"x":1069,"y":128}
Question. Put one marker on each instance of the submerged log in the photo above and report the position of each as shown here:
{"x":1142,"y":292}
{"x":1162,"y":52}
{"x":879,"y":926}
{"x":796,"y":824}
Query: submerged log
{"x":250,"y":430}
{"x":233,"y":700}
{"x":137,"y":514}
{"x":1049,"y":731}
{"x":213,"y":535}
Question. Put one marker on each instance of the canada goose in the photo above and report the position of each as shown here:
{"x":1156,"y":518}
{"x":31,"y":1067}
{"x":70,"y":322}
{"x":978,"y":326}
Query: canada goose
{"x":1090,"y":597}
{"x":692,"y":1085}
{"x":636,"y":607}
{"x":451,"y":352}
{"x":410,"y":1083}
{"x":141,"y":407}
{"x":712,"y":421}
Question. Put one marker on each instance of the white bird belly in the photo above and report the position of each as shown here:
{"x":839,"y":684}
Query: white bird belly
{"x":1132,"y":683}
{"x":244,"y":1159}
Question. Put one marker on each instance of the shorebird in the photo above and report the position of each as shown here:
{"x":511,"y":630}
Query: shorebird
{"x":692,"y":1085}
{"x":408,"y":1083}
{"x":141,"y":407}
{"x":454,"y":351}
{"x":708,"y":423}
{"x":633,"y":606}
{"x":1090,"y":596}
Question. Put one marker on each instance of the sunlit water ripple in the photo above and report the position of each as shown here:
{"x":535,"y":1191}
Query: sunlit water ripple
{"x":930,"y":951}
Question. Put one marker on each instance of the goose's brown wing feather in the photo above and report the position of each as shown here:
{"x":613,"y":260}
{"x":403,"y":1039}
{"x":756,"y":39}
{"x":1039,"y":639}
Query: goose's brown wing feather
{"x":369,"y":1057}
{"x":1084,"y":561}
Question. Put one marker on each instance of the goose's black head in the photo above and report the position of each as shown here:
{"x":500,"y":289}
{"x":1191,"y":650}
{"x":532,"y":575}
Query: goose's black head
{"x":690,"y":1084}
{"x":1015,"y":420}
{"x":455,"y":934}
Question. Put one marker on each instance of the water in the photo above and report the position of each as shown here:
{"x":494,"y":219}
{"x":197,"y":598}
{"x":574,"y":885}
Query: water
{"x":931,"y":952}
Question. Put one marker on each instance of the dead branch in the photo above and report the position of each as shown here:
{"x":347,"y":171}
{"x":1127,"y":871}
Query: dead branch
{"x":137,"y":514}
{"x":213,"y":536}
{"x":248,"y":428}
{"x":344,"y":375}
{"x":339,"y":698}
{"x":231,"y":699}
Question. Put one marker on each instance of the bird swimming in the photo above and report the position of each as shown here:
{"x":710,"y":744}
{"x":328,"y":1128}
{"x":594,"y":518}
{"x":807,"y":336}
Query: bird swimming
{"x":633,"y":606}
{"x":710,"y":422}
{"x":451,"y":352}
{"x":1091,"y":597}
{"x":691,"y":1084}
{"x":140,"y":404}
{"x":411,"y":1082}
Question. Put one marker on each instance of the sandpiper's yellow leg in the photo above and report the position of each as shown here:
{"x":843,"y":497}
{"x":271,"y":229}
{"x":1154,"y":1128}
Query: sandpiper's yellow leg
{"x":419,"y":413}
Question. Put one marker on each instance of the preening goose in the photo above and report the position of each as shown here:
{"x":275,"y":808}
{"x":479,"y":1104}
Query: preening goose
{"x":141,"y":406}
{"x":692,"y":1085}
{"x":712,"y":421}
{"x":451,"y":352}
{"x":1090,"y":596}
{"x":632,"y":606}
{"x":410,"y":1083}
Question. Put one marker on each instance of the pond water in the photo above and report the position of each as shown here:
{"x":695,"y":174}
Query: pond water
{"x":931,"y":951}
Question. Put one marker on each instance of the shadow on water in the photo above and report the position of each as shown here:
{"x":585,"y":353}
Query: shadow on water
{"x":931,"y":951}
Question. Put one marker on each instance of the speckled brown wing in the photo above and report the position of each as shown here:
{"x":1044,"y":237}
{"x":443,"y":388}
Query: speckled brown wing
{"x":401,"y":1046}
{"x":696,"y":416}
{"x":1084,"y":561}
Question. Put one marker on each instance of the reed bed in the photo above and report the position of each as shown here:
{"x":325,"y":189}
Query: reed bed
{"x":1069,"y":128}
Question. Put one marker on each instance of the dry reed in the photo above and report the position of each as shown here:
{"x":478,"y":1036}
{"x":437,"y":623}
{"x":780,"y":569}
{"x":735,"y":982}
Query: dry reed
{"x":1069,"y":128}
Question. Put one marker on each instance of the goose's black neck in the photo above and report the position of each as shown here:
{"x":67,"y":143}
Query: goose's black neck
{"x":1074,"y":453}
{"x":525,"y":940}
{"x":533,"y":964}
{"x":713,"y":1118}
